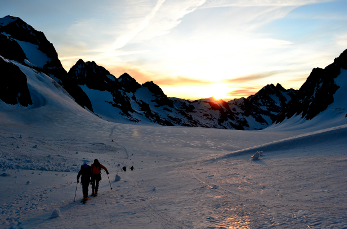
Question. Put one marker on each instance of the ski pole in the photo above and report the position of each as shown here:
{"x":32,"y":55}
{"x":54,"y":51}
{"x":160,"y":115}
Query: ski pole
{"x":75,"y":193}
{"x":109,"y":181}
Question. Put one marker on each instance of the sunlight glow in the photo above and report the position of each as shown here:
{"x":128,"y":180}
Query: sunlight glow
{"x":218,"y":91}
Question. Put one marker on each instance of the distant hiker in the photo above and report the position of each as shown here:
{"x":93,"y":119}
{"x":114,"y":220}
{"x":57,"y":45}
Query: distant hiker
{"x":96,"y":176}
{"x":86,"y":173}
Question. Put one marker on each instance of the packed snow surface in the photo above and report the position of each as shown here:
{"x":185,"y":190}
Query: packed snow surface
{"x":182,"y":177}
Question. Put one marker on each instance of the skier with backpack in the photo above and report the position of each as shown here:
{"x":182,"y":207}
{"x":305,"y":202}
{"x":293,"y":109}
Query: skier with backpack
{"x":86,"y":174}
{"x":96,"y":176}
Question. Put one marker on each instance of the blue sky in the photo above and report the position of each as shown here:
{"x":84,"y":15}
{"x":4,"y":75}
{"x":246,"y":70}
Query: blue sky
{"x":194,"y":48}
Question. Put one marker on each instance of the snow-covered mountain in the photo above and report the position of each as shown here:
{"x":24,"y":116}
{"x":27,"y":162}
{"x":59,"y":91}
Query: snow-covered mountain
{"x":20,"y":42}
{"x":123,"y":99}
{"x":255,"y":112}
{"x":323,"y":94}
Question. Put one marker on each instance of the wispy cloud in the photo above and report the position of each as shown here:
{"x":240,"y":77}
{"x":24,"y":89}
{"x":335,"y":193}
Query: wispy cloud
{"x":179,"y":81}
{"x":167,"y":17}
{"x":256,"y":76}
{"x":133,"y":22}
{"x":247,"y":3}
{"x":244,"y":92}
{"x":124,"y":39}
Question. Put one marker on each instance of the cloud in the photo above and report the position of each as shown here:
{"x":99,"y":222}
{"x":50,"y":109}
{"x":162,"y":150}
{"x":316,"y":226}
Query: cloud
{"x":124,"y":39}
{"x":178,"y":81}
{"x":252,"y":77}
{"x":245,"y":92}
{"x":150,"y":19}
{"x":167,"y":17}
{"x":247,"y":3}
{"x":125,"y":23}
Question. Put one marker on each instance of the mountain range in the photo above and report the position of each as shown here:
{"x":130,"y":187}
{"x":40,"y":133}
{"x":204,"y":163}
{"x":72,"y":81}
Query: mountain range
{"x":124,"y":100}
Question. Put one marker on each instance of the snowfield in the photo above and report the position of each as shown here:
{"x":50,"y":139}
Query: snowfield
{"x":183,"y":177}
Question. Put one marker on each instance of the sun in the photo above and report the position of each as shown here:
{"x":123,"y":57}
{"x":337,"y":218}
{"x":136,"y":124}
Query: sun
{"x":217,"y":97}
{"x":218,"y":91}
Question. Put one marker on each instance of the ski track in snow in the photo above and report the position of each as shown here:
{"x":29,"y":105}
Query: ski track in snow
{"x":125,"y":150}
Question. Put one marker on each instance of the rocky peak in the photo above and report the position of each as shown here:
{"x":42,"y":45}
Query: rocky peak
{"x":317,"y":93}
{"x":6,"y":20}
{"x":126,"y":77}
{"x":161,"y":98}
{"x":128,"y":83}
{"x":80,"y":62}
{"x":155,"y":89}
{"x":265,"y":95}
{"x":15,"y":29}
{"x":21,"y":31}
{"x":280,"y":88}
{"x":94,"y":76}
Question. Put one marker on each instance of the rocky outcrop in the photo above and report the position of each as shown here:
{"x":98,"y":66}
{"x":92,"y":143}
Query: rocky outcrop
{"x":13,"y":85}
{"x":317,"y":93}
{"x":22,"y":43}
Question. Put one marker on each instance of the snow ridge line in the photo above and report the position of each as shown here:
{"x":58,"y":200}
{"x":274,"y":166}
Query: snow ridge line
{"x":262,"y":147}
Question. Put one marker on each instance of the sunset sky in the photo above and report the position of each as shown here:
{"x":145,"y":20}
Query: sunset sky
{"x":194,"y":48}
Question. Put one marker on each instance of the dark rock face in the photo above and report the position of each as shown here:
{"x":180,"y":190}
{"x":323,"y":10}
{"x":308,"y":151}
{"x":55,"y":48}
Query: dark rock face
{"x":317,"y":93}
{"x":13,"y":85}
{"x":12,"y":30}
{"x":160,"y":98}
{"x":92,"y":75}
{"x":77,"y":93}
{"x":10,"y":49}
{"x":127,"y":83}
{"x":19,"y":30}
{"x":263,"y":107}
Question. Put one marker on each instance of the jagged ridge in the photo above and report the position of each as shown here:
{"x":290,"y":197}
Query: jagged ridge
{"x":316,"y":94}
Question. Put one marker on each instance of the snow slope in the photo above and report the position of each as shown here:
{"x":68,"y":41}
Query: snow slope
{"x":183,"y":177}
{"x":34,"y":55}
